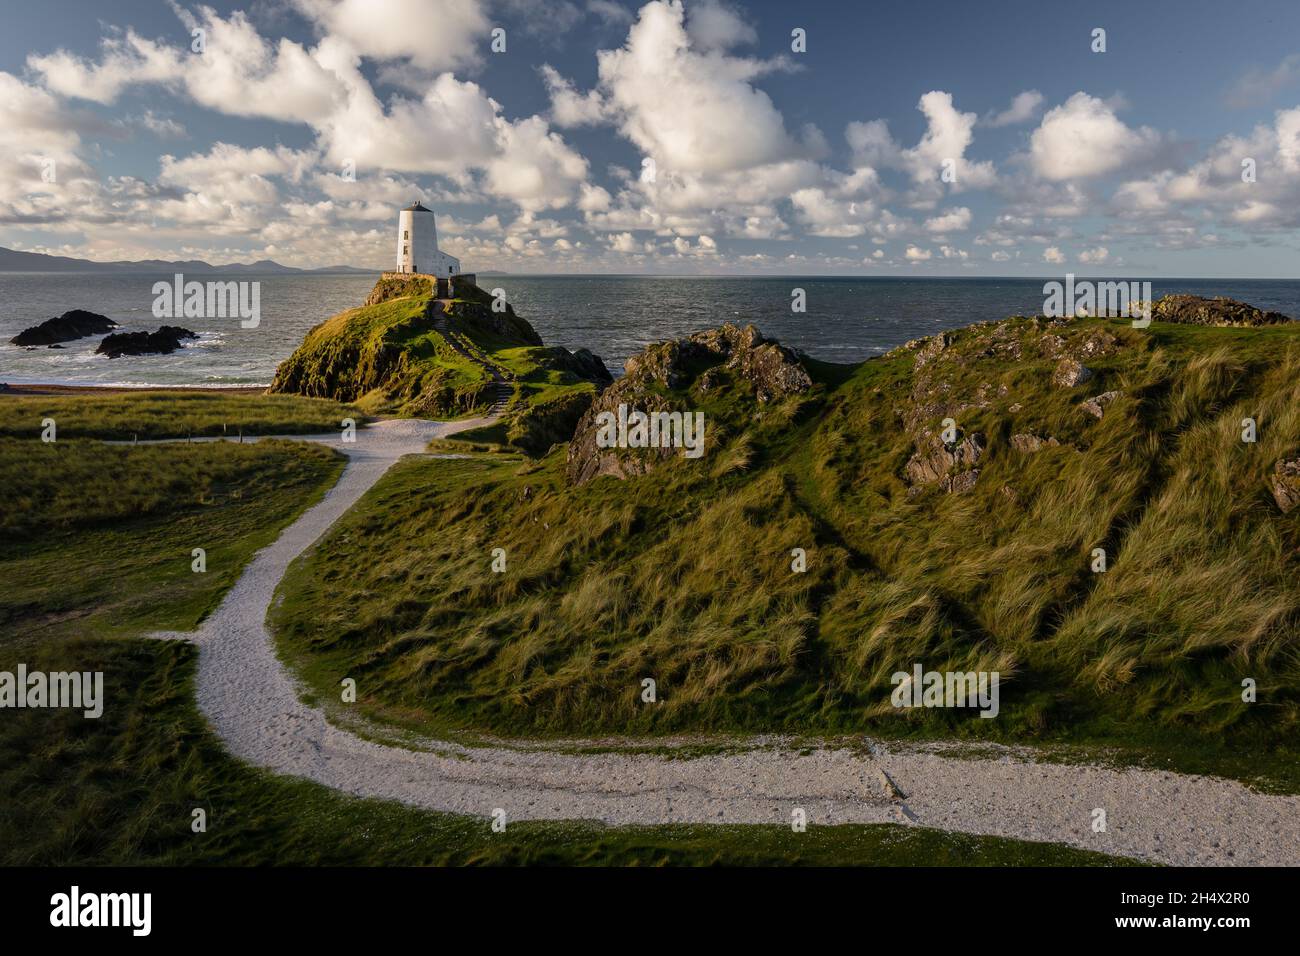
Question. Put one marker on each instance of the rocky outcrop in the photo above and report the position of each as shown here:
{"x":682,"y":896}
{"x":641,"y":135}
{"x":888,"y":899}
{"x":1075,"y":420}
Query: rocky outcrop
{"x":581,"y":363}
{"x":71,"y":325}
{"x":952,"y":467}
{"x":1070,"y":372}
{"x":1031,"y":443}
{"x":1286,"y":484}
{"x":1219,"y":311}
{"x":167,"y":339}
{"x":699,"y":365}
{"x":1096,"y":406}
{"x":773,"y":370}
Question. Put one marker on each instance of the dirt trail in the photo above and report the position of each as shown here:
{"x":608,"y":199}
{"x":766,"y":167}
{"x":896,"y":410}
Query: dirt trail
{"x":253,"y":704}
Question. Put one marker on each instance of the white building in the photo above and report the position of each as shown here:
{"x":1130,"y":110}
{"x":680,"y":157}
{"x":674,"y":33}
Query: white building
{"x":417,"y":244}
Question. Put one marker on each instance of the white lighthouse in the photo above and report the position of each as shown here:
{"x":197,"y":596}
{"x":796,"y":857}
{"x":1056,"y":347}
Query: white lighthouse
{"x":417,"y":244}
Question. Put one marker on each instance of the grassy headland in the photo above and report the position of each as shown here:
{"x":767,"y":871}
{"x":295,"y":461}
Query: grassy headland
{"x":975,"y":555}
{"x":406,"y":352}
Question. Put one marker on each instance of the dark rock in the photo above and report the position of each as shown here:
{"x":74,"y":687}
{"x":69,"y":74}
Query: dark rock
{"x":1286,"y":484}
{"x":166,"y":339}
{"x":1219,"y":311}
{"x":582,"y":363}
{"x":75,"y":324}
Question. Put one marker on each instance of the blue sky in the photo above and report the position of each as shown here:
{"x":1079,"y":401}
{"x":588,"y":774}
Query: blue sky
{"x":924,"y":139}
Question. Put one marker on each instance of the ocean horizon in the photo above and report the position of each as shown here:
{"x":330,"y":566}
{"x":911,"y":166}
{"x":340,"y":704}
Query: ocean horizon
{"x":848,"y":319}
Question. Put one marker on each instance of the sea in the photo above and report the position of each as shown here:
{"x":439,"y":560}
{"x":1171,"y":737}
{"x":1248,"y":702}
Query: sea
{"x":846,"y":320}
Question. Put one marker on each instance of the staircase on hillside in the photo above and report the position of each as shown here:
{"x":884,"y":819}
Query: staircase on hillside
{"x":502,"y":389}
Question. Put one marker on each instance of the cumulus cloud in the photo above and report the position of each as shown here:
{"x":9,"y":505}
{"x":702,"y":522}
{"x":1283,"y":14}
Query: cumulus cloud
{"x":452,"y":129}
{"x":41,"y":168}
{"x":1083,"y":138}
{"x":826,"y":216}
{"x":568,"y":106}
{"x":940,"y":155}
{"x":1053,"y":255}
{"x":692,"y":110}
{"x":237,"y":72}
{"x":1024,"y":107}
{"x":714,"y":25}
{"x":434,"y":35}
{"x":954,"y":220}
{"x":1251,"y":182}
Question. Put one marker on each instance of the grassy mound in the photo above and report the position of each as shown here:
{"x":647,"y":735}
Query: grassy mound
{"x":684,"y":574}
{"x":408,"y":353}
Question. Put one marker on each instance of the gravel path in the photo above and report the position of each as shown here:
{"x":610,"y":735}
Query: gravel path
{"x":252,"y":702}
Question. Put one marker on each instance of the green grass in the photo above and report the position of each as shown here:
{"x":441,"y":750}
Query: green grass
{"x":105,"y":557}
{"x":121,"y":791}
{"x":99,"y":538}
{"x":411,"y":355}
{"x":159,"y":414}
{"x":683,"y":575}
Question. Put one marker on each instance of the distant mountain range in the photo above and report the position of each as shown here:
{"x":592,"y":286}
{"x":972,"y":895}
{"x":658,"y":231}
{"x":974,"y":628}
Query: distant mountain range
{"x":11,"y":260}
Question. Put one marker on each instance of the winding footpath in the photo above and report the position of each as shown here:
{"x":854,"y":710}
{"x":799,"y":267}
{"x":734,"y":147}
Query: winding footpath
{"x":252,"y":702}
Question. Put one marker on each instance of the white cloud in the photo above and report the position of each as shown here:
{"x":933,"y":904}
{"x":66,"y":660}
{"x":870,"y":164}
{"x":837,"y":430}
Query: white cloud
{"x":1094,"y":256}
{"x":917,"y":254}
{"x":714,"y":25}
{"x":623,"y":242}
{"x":568,"y":106}
{"x":940,"y":153}
{"x":238,"y":72}
{"x":1218,"y":183}
{"x":434,"y":35}
{"x":692,"y":111}
{"x":1083,"y":138}
{"x":954,"y":220}
{"x":1053,"y":255}
{"x":1024,"y":107}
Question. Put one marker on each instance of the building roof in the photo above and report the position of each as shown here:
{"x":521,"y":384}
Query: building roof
{"x":417,"y":207}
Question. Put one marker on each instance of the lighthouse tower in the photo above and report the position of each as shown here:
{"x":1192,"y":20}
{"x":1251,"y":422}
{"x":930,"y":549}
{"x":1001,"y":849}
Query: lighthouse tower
{"x":417,"y":244}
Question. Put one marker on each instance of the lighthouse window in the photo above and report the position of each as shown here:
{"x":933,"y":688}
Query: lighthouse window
{"x":404,"y":248}
{"x":406,"y":234}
